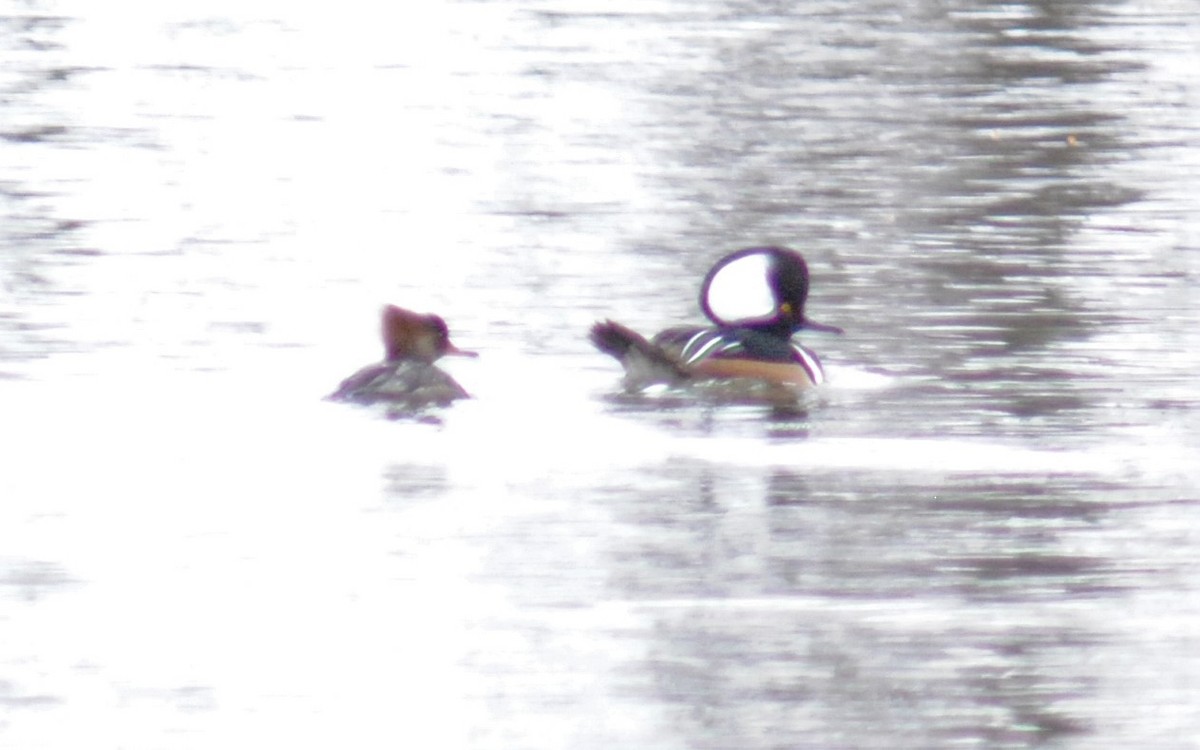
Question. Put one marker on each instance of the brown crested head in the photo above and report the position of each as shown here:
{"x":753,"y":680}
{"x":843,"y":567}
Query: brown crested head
{"x":410,"y":335}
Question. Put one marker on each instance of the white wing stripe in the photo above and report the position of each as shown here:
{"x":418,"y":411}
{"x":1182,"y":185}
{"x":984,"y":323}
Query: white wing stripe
{"x":704,"y":348}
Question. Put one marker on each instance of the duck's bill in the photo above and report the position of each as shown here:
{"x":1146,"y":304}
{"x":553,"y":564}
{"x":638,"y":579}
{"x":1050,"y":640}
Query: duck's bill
{"x":454,"y":351}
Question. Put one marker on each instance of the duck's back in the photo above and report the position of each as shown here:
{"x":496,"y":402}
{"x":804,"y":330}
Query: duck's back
{"x":409,"y":382}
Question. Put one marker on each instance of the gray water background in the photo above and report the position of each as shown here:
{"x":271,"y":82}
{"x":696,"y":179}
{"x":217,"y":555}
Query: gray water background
{"x":982,"y":533}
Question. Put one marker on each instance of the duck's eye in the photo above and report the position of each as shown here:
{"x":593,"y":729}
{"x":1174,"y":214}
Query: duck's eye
{"x":785,"y":308}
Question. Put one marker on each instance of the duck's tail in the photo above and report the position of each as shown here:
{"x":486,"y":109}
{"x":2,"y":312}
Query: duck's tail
{"x":645,"y":362}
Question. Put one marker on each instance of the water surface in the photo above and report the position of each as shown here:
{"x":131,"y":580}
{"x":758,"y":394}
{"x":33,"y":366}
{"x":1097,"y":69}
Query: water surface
{"x":980,"y":534}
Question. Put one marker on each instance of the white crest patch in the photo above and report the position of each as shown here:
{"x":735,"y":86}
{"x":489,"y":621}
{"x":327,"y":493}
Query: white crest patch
{"x":739,"y":290}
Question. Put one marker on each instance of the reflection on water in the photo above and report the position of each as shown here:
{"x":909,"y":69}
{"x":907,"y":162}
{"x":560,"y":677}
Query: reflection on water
{"x":981,"y":533}
{"x":794,"y":606}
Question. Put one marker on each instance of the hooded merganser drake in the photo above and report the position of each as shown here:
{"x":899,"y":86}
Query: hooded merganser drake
{"x":412,"y":343}
{"x":755,"y":299}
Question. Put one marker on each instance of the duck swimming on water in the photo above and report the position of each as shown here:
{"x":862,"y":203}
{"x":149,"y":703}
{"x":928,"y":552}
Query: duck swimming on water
{"x":755,"y":299}
{"x":407,"y":376}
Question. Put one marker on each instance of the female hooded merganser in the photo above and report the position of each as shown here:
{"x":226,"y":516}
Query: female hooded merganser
{"x":755,"y":297}
{"x":407,"y":376}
